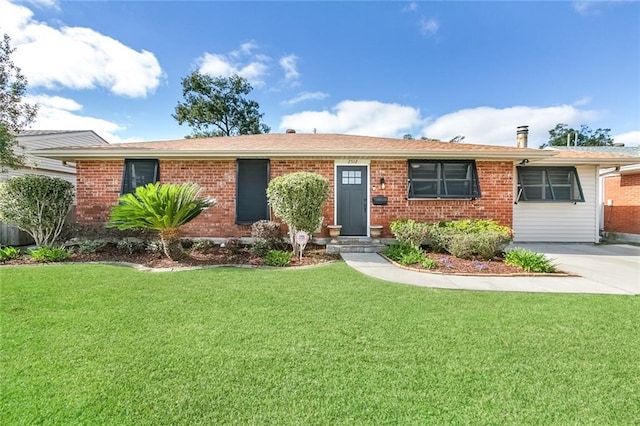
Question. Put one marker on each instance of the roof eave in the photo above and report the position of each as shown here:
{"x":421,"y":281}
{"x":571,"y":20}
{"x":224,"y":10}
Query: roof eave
{"x":605,"y":162}
{"x":111,"y":154}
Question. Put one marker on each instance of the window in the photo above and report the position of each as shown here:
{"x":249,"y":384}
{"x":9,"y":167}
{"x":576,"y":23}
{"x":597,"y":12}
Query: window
{"x":139,"y":173}
{"x":549,"y":184}
{"x":443,"y":179}
{"x":251,"y":191}
{"x":351,"y":177}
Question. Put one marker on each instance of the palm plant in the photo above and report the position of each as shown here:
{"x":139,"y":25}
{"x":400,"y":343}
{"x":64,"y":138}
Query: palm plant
{"x":164,"y":208}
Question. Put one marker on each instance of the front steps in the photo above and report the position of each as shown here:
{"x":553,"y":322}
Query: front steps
{"x":355,"y":245}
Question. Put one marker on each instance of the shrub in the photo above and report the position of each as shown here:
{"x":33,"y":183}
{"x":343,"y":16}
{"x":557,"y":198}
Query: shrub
{"x":412,"y":257}
{"x":408,"y":254}
{"x":528,"y":260}
{"x":484,"y":244}
{"x":261,"y":247}
{"x":396,"y":251}
{"x":409,"y":231}
{"x":469,"y":238}
{"x":438,"y":237}
{"x":163,"y":208}
{"x":36,"y":204}
{"x":298,"y":199}
{"x":50,"y":254}
{"x":233,"y":246}
{"x":8,"y":253}
{"x":90,"y":246}
{"x":153,"y":246}
{"x":131,"y":245}
{"x":428,"y":263}
{"x":266,"y":230}
{"x":476,"y":225}
{"x":202,"y":245}
{"x":277,"y":258}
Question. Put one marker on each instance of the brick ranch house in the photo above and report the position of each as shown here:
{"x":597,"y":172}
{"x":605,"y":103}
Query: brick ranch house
{"x":544,"y":195}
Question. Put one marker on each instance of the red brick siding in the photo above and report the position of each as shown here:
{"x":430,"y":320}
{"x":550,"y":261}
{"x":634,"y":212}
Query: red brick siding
{"x":99,"y":187}
{"x":496,"y":187}
{"x":624,"y":214}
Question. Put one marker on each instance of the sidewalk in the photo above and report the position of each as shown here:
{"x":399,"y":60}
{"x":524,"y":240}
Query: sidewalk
{"x":374,"y":265}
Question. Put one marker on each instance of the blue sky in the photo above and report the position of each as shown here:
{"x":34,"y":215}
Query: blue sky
{"x":435,"y":69}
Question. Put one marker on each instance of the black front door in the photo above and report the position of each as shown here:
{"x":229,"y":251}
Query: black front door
{"x":351,"y":203}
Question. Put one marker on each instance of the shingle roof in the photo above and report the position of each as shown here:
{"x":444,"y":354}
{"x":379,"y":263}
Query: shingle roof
{"x":298,"y":145}
{"x":48,"y":132}
{"x":615,"y":150}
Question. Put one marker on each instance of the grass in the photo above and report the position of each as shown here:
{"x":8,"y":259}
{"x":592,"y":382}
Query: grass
{"x":90,"y":344}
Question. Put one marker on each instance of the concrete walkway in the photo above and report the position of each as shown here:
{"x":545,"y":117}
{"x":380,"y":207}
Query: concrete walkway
{"x":604,"y":269}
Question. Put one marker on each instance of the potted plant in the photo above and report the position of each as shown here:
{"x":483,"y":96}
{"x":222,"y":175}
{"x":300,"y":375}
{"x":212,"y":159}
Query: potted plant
{"x":374,"y":232}
{"x":334,"y":232}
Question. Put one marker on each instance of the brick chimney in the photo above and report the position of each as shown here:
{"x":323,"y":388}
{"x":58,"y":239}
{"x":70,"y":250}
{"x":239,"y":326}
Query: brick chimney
{"x":522,"y":136}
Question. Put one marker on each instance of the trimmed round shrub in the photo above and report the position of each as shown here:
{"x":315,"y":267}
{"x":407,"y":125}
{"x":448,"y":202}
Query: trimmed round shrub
{"x":36,"y":204}
{"x":298,"y":199}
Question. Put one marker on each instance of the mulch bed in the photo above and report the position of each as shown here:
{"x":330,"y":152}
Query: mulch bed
{"x":448,"y":264}
{"x":313,"y":255}
{"x":216,"y":255}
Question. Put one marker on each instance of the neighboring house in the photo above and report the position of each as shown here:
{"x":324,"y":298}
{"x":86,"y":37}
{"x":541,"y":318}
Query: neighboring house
{"x":30,"y":140}
{"x":620,"y":194}
{"x":373,"y":181}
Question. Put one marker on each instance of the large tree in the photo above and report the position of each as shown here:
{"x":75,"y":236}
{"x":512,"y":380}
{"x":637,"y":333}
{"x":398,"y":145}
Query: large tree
{"x":217,"y":106}
{"x":559,"y":135}
{"x":15,"y":114}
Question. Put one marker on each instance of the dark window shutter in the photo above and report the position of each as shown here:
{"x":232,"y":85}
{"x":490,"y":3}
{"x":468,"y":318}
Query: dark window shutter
{"x":443,"y":179}
{"x":251,"y":191}
{"x":549,"y":184}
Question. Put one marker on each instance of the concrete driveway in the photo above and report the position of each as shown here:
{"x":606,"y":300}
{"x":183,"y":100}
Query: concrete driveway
{"x":605,"y":269}
{"x":615,"y":266}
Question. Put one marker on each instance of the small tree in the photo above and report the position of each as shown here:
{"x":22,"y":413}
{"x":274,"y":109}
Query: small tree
{"x":297,"y":199}
{"x":163,"y":208}
{"x":15,"y":115}
{"x":36,"y":204}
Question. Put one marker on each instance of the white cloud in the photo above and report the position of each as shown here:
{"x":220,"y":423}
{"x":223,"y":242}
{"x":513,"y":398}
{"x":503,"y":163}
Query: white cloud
{"x":497,"y":126}
{"x":242,"y":62}
{"x":585,"y":100}
{"x":411,"y":7}
{"x":76,"y":57}
{"x":428,"y":27}
{"x":58,"y":113}
{"x":288,"y":64}
{"x":51,"y":4}
{"x":482,"y":125}
{"x":594,"y":7}
{"x":306,"y":96}
{"x":371,"y":118}
{"x":629,"y":138}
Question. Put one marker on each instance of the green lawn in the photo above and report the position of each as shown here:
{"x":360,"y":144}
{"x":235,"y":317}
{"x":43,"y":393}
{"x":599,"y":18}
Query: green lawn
{"x":87,"y":344}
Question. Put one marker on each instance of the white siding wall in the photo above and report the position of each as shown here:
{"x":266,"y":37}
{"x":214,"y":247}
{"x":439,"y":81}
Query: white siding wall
{"x":560,"y":222}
